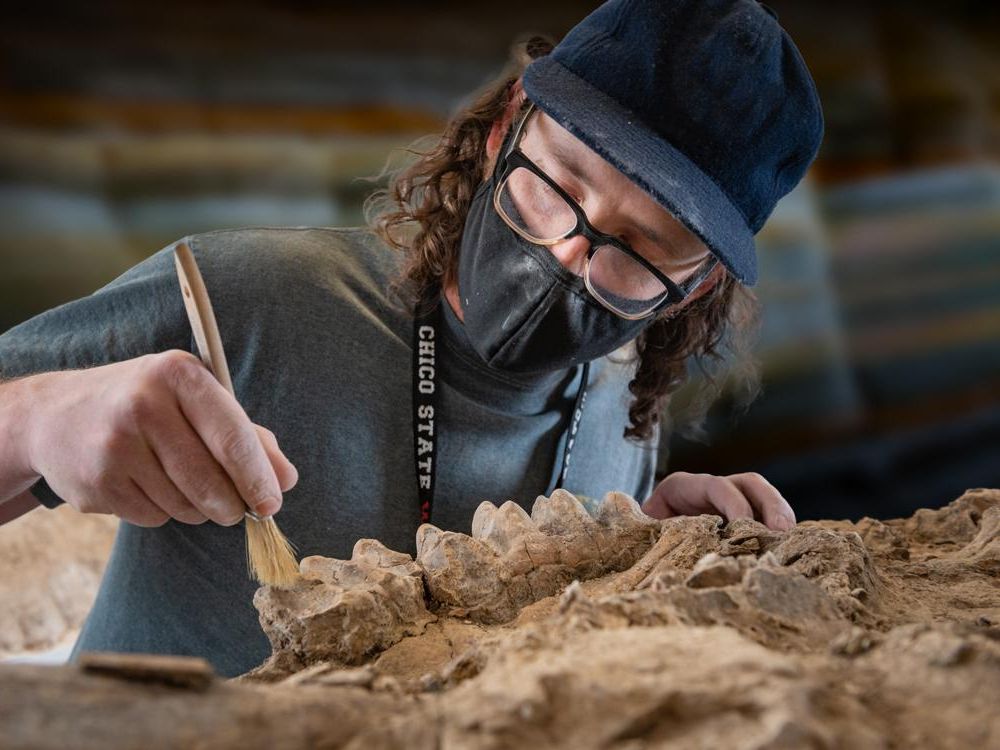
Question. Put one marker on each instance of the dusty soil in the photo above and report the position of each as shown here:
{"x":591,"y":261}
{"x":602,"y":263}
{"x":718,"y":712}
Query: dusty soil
{"x":51,"y":563}
{"x":562,"y":630}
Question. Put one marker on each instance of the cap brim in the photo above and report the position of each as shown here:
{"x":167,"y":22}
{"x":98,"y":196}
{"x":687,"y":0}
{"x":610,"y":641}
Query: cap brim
{"x":653,"y":163}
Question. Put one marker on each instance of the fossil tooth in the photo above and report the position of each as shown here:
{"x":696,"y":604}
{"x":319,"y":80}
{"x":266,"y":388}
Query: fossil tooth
{"x":318,"y":568}
{"x":514,"y":515}
{"x":501,"y":528}
{"x":482,"y":519}
{"x":374,"y":553}
{"x":428,"y":538}
{"x":618,"y":510}
{"x":561,"y":513}
{"x":459,"y":571}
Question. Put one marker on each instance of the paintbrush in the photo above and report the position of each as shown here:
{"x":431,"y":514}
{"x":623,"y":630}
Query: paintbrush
{"x":270,"y":556}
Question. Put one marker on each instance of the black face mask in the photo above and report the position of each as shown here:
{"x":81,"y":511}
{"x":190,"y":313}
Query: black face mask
{"x":524,"y":312}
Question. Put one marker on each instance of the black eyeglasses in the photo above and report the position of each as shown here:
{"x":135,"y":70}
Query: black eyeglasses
{"x":540,"y":211}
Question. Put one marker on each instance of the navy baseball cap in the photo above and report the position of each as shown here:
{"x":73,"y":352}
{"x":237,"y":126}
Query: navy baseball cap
{"x":707,"y":105}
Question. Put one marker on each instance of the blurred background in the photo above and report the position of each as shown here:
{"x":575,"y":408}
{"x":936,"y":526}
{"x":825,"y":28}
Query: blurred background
{"x":124,"y":126}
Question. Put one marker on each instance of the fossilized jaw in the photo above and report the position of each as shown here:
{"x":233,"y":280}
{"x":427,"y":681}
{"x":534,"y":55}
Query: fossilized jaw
{"x":692,"y":570}
{"x":345,"y":610}
{"x":804,"y":585}
{"x":513,"y":559}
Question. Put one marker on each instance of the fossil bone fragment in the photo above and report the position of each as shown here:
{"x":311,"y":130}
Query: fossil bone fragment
{"x":342,"y":610}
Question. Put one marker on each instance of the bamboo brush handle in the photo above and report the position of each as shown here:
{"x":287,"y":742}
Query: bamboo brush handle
{"x":200,"y":315}
{"x":270,"y":556}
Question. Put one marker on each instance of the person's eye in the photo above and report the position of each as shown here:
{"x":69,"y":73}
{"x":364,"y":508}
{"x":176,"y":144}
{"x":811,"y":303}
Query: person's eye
{"x":563,"y":189}
{"x":556,"y":174}
{"x":572,"y":191}
{"x":629,"y":243}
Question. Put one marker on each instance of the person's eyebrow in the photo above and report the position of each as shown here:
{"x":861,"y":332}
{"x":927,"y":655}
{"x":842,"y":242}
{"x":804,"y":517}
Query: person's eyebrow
{"x":565,"y":159}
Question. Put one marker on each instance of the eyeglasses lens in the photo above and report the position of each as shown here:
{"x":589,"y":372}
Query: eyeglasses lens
{"x":540,"y":214}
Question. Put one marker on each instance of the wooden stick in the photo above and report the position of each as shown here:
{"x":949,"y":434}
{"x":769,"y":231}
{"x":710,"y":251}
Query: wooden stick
{"x":270,"y":556}
{"x":201,"y":316}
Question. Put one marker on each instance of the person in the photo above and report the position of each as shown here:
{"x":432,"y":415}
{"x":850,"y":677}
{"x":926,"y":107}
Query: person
{"x":528,"y":294}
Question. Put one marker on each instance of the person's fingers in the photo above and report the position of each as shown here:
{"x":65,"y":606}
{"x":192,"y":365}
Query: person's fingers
{"x":288,"y":475}
{"x":192,"y":469}
{"x":682,"y":493}
{"x":156,"y":484}
{"x":656,"y":505}
{"x":772,"y":509}
{"x":131,"y":504}
{"x":726,"y":497}
{"x":228,"y":433}
{"x":678,"y":494}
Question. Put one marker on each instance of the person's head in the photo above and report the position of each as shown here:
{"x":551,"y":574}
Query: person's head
{"x":628,"y":168}
{"x":565,"y":183}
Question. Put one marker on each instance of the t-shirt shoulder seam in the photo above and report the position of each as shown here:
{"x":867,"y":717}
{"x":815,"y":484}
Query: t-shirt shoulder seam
{"x":269,"y":227}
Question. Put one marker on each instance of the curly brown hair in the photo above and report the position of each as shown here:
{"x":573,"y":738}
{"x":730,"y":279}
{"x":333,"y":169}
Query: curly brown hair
{"x":422,"y":214}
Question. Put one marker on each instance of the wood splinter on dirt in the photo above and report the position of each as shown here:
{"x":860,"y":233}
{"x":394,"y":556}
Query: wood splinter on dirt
{"x":188,"y":672}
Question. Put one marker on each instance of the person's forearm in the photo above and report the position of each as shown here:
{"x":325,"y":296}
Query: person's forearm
{"x":18,"y":402}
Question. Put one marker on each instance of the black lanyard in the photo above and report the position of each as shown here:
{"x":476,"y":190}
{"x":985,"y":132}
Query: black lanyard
{"x":426,"y":320}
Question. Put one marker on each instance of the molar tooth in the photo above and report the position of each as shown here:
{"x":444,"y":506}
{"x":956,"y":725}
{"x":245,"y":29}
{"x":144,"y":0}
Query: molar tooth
{"x":513,"y":516}
{"x":618,"y":509}
{"x":374,"y":561}
{"x":501,"y":528}
{"x":560,"y":513}
{"x":375,"y":553}
{"x":319,"y":568}
{"x":458,"y":570}
{"x":482,"y":519}
{"x":452,"y":554}
{"x":428,"y":538}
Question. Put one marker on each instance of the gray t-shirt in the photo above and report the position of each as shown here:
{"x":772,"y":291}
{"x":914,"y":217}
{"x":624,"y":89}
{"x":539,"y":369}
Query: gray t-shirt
{"x":319,"y":348}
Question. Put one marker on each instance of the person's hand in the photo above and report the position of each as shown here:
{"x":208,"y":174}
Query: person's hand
{"x":735,"y":496}
{"x":154,"y":438}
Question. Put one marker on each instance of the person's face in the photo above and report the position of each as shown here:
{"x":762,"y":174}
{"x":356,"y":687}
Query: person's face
{"x":612,"y":202}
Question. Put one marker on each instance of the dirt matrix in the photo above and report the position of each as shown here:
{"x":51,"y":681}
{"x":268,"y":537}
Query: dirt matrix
{"x":560,"y":629}
{"x":50,"y":567}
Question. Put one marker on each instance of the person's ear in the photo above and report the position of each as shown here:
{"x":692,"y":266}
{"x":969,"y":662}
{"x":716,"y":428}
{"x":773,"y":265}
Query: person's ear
{"x":500,"y":127}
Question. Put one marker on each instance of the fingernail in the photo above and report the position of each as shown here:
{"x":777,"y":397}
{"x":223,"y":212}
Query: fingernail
{"x":268,"y":508}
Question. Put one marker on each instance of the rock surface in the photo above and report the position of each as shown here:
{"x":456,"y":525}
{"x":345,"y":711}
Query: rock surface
{"x":561,"y":630}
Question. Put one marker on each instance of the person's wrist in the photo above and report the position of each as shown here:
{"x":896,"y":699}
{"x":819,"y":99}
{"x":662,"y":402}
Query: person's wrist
{"x":24,"y":406}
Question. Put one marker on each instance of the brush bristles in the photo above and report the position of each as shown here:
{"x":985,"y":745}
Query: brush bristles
{"x":270,"y":556}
